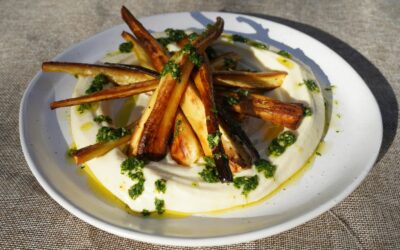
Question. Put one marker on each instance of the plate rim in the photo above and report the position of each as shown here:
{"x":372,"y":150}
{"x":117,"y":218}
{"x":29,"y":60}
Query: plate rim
{"x":193,"y":241}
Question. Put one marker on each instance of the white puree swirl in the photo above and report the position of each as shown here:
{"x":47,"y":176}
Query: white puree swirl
{"x":181,"y":194}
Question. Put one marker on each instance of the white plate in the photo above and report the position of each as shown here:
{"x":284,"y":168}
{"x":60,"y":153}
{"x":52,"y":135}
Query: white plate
{"x":349,"y":153}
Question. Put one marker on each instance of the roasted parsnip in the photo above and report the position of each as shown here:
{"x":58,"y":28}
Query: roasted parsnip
{"x":120,"y":75}
{"x":139,"y":51}
{"x":107,"y":94}
{"x":185,"y":148}
{"x":250,"y":80}
{"x":203,"y":82}
{"x":152,"y":139}
{"x":279,"y":113}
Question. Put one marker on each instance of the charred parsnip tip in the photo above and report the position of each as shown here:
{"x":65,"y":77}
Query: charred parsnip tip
{"x":279,"y":113}
{"x":120,"y":75}
{"x":152,"y":139}
{"x":204,"y":85}
{"x":140,"y":53}
{"x":250,"y":80}
{"x":185,"y":148}
{"x":226,"y":61}
{"x":108,"y":94}
{"x":150,"y":45}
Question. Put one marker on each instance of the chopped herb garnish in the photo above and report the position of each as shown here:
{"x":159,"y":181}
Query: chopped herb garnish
{"x":126,"y":47}
{"x":219,"y":156}
{"x":211,"y":53}
{"x":311,"y":85}
{"x":160,"y":205}
{"x":266,"y":167}
{"x":307,"y":111}
{"x":229,"y":63}
{"x":161,"y":185}
{"x":132,"y":164}
{"x":97,"y":84}
{"x":146,"y":212}
{"x":209,"y":161}
{"x":133,"y":167}
{"x":242,"y":92}
{"x":231,"y":100}
{"x":71,"y":151}
{"x":214,"y":139}
{"x":109,"y":134}
{"x":214,"y":110}
{"x":172,"y":36}
{"x":286,"y":139}
{"x":164,"y":41}
{"x":83,"y":107}
{"x":274,"y":149}
{"x":240,"y":39}
{"x":178,"y":125}
{"x":209,"y":174}
{"x":284,"y":53}
{"x":194,"y":57}
{"x":137,"y":189}
{"x":330,"y":88}
{"x":257,"y":45}
{"x":172,"y":68}
{"x":175,"y":35}
{"x":246,"y":183}
{"x":102,"y":118}
{"x":193,"y":36}
{"x":279,"y":144}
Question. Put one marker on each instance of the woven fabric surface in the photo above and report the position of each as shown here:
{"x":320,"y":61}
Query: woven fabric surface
{"x":364,"y":33}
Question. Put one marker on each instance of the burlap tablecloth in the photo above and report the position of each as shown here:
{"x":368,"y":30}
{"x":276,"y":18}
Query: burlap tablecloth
{"x":365,"y":33}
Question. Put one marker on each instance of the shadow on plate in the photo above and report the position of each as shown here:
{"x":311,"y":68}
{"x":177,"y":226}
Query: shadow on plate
{"x":374,"y":79}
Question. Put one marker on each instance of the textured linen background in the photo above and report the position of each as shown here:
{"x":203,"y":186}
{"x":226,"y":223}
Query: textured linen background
{"x":365,"y":33}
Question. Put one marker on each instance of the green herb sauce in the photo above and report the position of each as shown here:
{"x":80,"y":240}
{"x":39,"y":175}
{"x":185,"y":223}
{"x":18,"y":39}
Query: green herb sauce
{"x":97,"y":84}
{"x":280,"y":143}
{"x":145,"y":212}
{"x":161,"y":185}
{"x":172,"y":68}
{"x":102,"y":118}
{"x":311,"y":85}
{"x":246,"y":183}
{"x":241,"y":39}
{"x":214,"y":139}
{"x":83,"y":107}
{"x":109,"y":134}
{"x":307,"y":111}
{"x":133,"y":167}
{"x":126,"y":47}
{"x":284,"y":53}
{"x":160,"y":205}
{"x":194,"y":56}
{"x":209,"y":173}
{"x":231,"y":100}
{"x":265,"y":167}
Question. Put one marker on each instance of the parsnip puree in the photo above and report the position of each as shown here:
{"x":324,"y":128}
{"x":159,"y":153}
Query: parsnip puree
{"x":185,"y":190}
